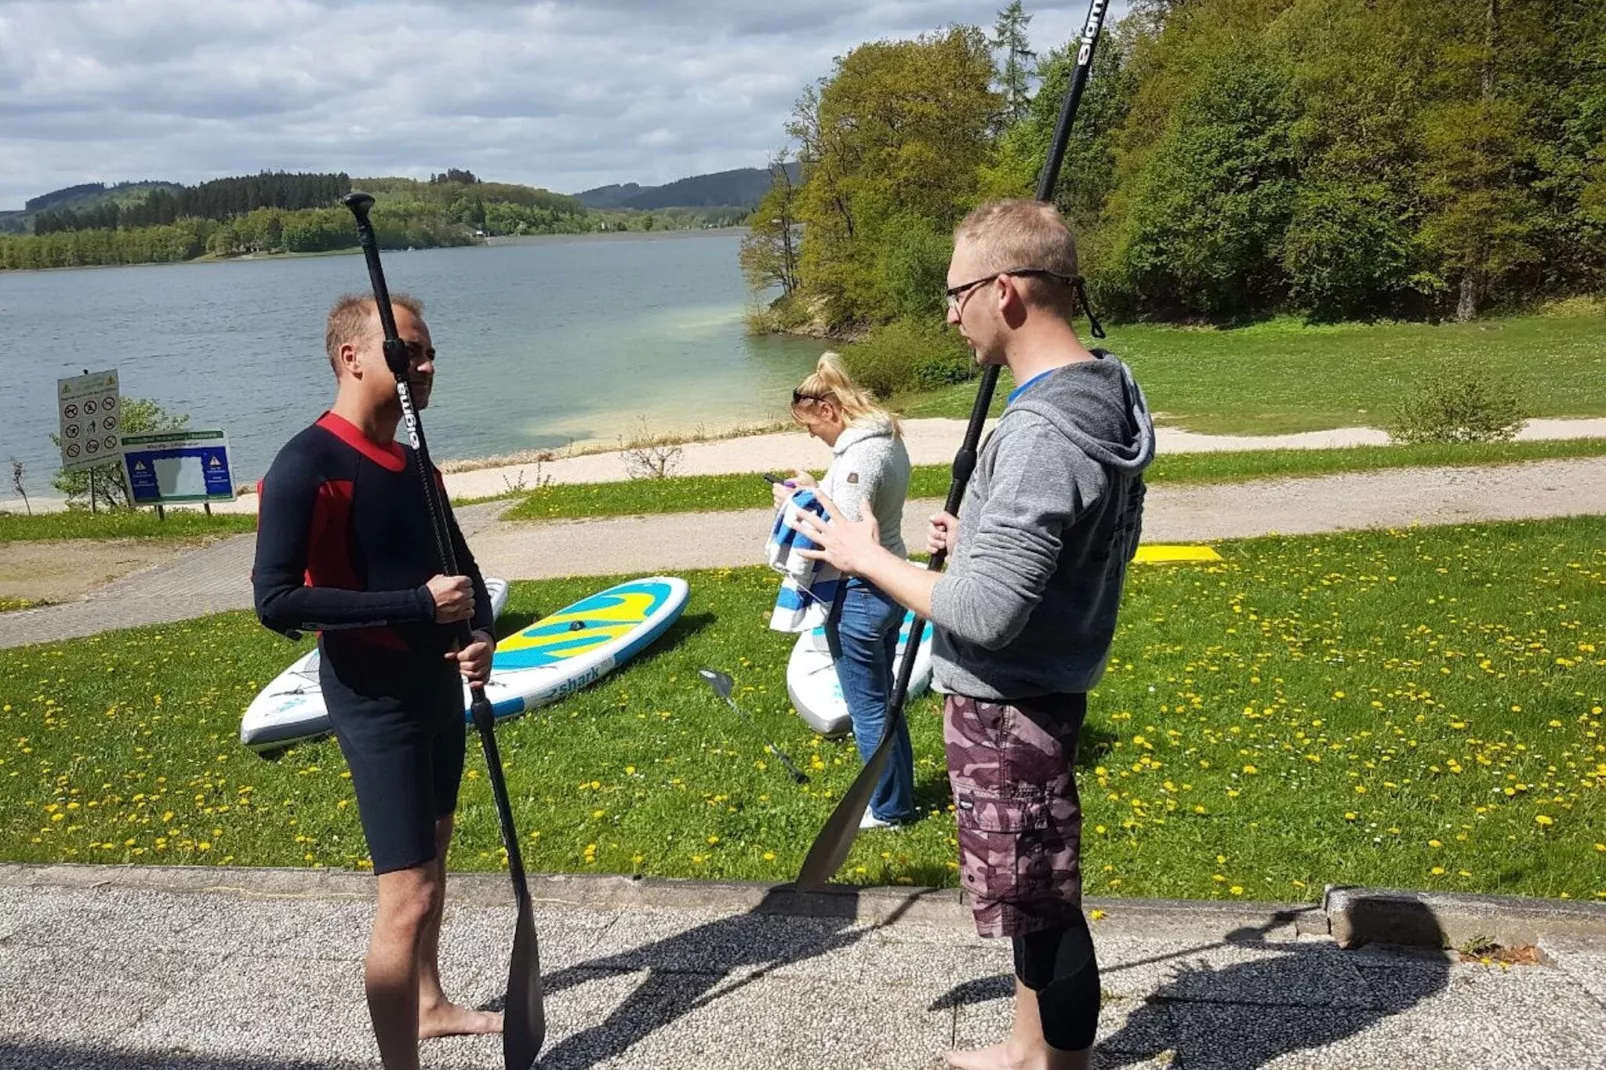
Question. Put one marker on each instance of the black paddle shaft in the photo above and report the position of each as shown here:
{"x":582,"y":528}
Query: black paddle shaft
{"x":831,"y":846}
{"x":524,"y":1029}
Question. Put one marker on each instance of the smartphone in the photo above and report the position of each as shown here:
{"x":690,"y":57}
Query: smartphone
{"x":773,"y":478}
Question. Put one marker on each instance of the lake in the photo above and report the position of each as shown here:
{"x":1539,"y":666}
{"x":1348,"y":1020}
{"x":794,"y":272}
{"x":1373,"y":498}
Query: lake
{"x":542,"y":343}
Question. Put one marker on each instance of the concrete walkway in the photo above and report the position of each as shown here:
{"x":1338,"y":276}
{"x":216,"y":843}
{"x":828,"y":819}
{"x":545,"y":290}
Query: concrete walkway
{"x":218,"y":577}
{"x":99,"y":972}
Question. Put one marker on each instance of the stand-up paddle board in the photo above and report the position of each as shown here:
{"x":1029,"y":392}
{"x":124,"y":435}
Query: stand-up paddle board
{"x":581,"y":643}
{"x":815,"y":691}
{"x":291,"y":707}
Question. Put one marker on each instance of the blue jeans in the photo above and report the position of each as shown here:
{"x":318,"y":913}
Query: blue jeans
{"x":863,"y":636}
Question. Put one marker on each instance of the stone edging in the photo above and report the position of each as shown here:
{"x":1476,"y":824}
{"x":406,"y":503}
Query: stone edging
{"x":1351,"y":916}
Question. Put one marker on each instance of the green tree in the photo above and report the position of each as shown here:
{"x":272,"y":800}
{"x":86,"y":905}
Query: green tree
{"x":1353,"y":245}
{"x":1087,"y":175}
{"x":1015,"y":72}
{"x":140,"y":416}
{"x":898,"y":132}
{"x":769,"y":253}
{"x":1480,"y":220}
{"x":1209,"y":211}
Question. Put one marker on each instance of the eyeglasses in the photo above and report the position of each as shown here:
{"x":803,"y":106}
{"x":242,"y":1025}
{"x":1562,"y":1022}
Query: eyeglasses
{"x":956,"y":294}
{"x":798,"y":397}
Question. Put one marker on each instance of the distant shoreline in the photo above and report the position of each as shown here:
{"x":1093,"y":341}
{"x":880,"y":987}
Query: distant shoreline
{"x":486,"y":243}
{"x":616,"y":235}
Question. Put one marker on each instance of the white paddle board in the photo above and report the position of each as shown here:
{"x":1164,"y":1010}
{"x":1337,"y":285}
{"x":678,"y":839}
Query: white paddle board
{"x":291,"y":707}
{"x":815,"y":691}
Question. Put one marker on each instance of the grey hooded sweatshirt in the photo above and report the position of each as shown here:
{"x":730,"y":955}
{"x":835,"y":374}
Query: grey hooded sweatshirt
{"x":1050,"y":521}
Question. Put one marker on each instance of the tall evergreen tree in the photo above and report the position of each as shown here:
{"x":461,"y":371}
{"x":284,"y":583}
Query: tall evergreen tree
{"x":1016,"y":67}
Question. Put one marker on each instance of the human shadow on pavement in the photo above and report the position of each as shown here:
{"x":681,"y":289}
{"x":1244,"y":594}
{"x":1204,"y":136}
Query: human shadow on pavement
{"x":1291,"y":996}
{"x":18,"y":1054}
{"x":690,"y":970}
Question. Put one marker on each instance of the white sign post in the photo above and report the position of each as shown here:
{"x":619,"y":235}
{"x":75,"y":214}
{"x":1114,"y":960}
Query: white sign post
{"x":91,"y":411}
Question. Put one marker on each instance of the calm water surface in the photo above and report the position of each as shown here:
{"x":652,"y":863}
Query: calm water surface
{"x":541,"y":343}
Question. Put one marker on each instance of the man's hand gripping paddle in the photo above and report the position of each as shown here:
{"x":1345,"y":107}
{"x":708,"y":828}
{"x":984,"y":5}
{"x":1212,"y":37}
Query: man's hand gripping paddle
{"x":524,"y":1020}
{"x":831,"y":846}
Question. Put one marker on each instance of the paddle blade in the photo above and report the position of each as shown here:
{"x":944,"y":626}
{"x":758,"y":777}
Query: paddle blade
{"x":720,"y":682}
{"x":835,"y":840}
{"x":524,"y":1019}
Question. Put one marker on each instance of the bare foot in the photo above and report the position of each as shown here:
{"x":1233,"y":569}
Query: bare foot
{"x":997,"y":1057}
{"x":450,"y":1020}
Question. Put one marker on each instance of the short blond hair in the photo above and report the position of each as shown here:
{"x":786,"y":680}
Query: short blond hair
{"x":350,"y":318}
{"x":1025,"y":234}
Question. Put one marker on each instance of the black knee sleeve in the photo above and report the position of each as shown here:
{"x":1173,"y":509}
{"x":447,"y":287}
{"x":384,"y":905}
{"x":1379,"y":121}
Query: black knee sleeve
{"x":1060,"y":967}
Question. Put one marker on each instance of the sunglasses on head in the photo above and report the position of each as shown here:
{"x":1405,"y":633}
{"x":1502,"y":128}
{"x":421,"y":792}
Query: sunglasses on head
{"x":798,"y":397}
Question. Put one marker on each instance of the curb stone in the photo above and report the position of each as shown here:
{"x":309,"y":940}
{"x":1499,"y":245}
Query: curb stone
{"x":1359,"y":916}
{"x":1351,"y":916}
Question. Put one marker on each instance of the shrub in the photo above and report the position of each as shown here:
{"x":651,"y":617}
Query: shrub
{"x":906,"y":355}
{"x":1459,"y":406}
{"x":650,"y":456}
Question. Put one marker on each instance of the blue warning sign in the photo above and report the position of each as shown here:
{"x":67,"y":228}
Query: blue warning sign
{"x":178,"y":466}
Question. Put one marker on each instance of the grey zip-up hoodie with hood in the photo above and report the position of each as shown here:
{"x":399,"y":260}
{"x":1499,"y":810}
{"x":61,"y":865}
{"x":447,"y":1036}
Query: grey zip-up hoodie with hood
{"x":1051,"y":519}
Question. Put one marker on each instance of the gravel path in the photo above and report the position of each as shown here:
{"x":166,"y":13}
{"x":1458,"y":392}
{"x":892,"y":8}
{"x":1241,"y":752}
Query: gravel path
{"x":259,"y":975}
{"x":218,"y":577}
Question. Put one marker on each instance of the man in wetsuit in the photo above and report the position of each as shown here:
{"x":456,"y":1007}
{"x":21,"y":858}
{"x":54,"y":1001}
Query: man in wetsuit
{"x":345,"y":548}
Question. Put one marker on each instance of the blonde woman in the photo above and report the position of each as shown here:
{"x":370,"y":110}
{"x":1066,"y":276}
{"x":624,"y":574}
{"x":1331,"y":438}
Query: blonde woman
{"x":869,"y":476}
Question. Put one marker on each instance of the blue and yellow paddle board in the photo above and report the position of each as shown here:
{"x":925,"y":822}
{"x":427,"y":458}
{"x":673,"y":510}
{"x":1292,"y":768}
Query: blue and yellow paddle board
{"x":581,"y":643}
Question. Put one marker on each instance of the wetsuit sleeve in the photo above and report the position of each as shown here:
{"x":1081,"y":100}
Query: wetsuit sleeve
{"x":288,"y":522}
{"x":484,"y":620}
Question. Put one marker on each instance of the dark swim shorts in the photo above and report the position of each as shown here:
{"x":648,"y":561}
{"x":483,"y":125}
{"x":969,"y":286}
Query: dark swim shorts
{"x":399,"y":720}
{"x":1020,"y":821}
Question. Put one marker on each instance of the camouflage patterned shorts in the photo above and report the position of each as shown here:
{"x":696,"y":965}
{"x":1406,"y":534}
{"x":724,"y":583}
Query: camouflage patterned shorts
{"x":1020,"y":821}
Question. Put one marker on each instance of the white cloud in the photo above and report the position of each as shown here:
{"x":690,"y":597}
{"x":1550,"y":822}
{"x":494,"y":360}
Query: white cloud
{"x":561,"y":94}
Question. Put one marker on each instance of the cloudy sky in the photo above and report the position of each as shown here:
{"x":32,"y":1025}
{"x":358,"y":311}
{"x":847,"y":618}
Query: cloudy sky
{"x":565,"y":94}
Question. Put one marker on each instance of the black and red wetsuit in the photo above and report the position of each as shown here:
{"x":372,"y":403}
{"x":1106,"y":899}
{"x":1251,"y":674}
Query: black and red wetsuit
{"x":345,"y":548}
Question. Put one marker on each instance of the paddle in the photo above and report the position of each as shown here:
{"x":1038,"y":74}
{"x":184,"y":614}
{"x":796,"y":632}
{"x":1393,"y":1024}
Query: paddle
{"x":722,"y":684}
{"x":524,"y":1021}
{"x":831,"y":846}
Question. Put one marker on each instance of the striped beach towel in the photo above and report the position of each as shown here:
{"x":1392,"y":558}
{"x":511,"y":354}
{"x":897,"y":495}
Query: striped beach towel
{"x":808,"y":588}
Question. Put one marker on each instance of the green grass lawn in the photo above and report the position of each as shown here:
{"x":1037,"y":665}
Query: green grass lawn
{"x":1284,"y":376}
{"x":747,"y":491}
{"x":123,"y":524}
{"x":1417,"y":708}
{"x":7,"y":605}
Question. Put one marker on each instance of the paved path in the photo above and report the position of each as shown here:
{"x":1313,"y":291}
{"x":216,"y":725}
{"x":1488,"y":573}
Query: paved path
{"x":113,"y":977}
{"x":1207,"y":513}
{"x":217,"y":578}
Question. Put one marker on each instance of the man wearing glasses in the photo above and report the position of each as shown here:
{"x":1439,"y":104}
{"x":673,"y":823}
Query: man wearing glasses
{"x":1025,"y":612}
